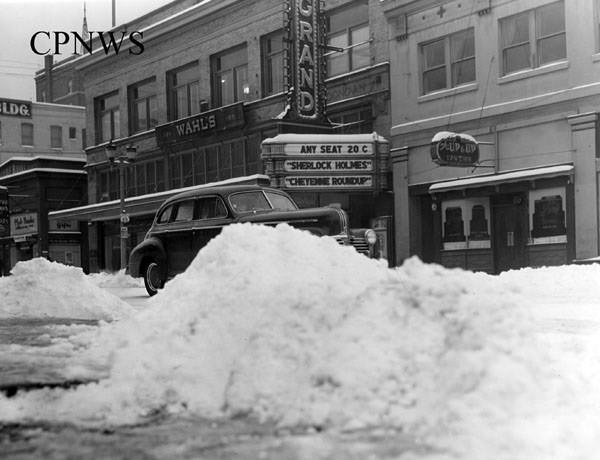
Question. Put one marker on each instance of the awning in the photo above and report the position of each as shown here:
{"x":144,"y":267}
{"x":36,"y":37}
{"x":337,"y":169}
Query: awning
{"x":142,"y":205}
{"x":502,"y":178}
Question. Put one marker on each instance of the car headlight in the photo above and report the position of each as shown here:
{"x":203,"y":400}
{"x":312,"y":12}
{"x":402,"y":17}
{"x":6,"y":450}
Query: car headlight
{"x":371,"y":237}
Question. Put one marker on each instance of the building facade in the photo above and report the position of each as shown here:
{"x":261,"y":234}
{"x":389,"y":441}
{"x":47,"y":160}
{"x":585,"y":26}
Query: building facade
{"x":521,"y":77}
{"x":41,"y":170}
{"x":209,"y":87}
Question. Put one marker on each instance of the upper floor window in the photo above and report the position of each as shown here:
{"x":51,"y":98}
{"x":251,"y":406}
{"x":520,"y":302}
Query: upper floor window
{"x":230,"y":76}
{"x":533,"y":38}
{"x":142,"y":106}
{"x":357,"y":121}
{"x":72,"y":133}
{"x":26,"y":134}
{"x":348,"y":28}
{"x":56,"y":137}
{"x":183,"y":91}
{"x":106,"y":113}
{"x":272,"y":63}
{"x":448,"y":62}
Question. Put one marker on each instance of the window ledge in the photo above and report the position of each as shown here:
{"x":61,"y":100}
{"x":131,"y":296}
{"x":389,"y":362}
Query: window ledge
{"x":557,"y":239}
{"x":448,"y":92}
{"x":528,"y":73}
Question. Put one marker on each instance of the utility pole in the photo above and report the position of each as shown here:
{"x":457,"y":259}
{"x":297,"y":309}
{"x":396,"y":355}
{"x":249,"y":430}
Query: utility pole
{"x":114,"y":13}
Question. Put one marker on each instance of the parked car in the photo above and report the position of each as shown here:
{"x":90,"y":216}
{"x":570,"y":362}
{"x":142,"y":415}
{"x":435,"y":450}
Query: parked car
{"x":186,"y":222}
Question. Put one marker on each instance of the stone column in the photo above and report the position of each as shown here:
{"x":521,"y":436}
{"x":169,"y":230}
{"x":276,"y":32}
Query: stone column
{"x":583,"y":127}
{"x":399,"y":158}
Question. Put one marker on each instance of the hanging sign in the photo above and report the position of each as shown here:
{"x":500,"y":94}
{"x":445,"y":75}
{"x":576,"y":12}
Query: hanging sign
{"x":452,"y":149}
{"x":4,"y":216}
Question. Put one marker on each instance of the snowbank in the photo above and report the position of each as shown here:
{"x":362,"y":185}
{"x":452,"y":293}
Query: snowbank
{"x":115,"y":280}
{"x":39,"y":288}
{"x":287,"y":327}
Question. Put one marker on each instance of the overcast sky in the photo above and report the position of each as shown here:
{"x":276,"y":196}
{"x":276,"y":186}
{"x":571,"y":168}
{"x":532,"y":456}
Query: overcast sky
{"x":20,"y":19}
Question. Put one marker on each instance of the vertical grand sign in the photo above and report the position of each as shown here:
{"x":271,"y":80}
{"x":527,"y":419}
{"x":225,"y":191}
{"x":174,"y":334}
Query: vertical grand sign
{"x":4,"y":219}
{"x":306,"y":69}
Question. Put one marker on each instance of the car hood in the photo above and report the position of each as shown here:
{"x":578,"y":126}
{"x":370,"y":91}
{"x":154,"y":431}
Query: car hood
{"x":320,"y":221}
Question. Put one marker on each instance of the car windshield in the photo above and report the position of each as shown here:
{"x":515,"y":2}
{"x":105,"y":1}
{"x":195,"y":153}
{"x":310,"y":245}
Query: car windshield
{"x":257,"y":201}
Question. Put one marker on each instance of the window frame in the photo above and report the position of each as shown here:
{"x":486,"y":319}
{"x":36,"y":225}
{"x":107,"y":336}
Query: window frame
{"x":113,"y":112}
{"x":173,"y":109}
{"x":346,"y":31}
{"x":147,"y":101}
{"x":448,"y":63}
{"x":27,"y":125}
{"x":534,"y":39}
{"x":56,"y":135}
{"x":268,"y":85}
{"x":216,"y":73}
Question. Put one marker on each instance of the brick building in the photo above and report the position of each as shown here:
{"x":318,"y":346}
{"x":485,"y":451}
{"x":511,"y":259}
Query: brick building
{"x":208,"y":88}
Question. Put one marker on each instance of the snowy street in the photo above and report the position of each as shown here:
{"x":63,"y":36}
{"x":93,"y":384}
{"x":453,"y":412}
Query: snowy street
{"x":275,"y":344}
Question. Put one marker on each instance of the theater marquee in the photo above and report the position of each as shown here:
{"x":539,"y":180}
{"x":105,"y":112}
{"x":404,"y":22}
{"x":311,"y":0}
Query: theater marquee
{"x":306,"y":162}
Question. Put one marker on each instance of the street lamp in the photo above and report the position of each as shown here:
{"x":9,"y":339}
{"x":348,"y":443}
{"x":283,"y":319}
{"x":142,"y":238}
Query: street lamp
{"x":116,"y":155}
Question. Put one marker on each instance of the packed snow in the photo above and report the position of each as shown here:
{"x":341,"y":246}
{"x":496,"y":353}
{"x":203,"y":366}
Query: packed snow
{"x":117,"y":279}
{"x":285,"y":327}
{"x":39,"y":288}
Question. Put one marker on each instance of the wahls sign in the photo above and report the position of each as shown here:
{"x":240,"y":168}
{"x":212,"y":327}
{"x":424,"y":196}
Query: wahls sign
{"x":15,"y":108}
{"x":45,"y":42}
{"x":304,"y":26}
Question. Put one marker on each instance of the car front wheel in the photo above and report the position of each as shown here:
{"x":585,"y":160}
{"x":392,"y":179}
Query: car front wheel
{"x":153,"y":279}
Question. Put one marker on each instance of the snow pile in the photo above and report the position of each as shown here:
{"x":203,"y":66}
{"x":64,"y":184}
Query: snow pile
{"x":117,"y":279}
{"x":287,"y":327}
{"x":39,"y":288}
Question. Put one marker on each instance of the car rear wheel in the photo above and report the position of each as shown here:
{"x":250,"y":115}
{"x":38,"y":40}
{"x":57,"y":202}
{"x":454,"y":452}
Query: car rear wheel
{"x":153,"y":279}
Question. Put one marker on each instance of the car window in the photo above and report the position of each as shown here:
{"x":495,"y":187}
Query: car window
{"x":185,"y":211}
{"x":281,"y":202}
{"x":211,"y":208}
{"x":165,"y":215}
{"x":249,"y":201}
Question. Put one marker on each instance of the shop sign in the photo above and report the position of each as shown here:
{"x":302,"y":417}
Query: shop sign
{"x":124,"y":233}
{"x":329,"y":149}
{"x":23,"y":224}
{"x":357,"y":181}
{"x":63,"y":225}
{"x":14,"y":108}
{"x":4,"y":220}
{"x":328,"y":165}
{"x":452,"y":149}
{"x":306,"y":55}
{"x":203,"y":124}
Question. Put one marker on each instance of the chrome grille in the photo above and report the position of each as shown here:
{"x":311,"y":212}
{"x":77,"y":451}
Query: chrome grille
{"x":360,"y":244}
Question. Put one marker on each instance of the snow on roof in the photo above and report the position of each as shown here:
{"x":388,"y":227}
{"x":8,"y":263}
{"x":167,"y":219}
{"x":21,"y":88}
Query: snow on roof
{"x":443,"y":135}
{"x":510,"y":176}
{"x":323,"y":138}
{"x":46,"y":170}
{"x":165,"y":194}
{"x":43,"y":157}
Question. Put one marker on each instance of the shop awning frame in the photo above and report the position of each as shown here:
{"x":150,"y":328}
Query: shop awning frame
{"x":502,"y":178}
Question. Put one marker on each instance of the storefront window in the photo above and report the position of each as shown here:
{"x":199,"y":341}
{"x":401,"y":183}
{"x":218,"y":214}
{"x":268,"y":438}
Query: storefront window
{"x":548,"y":217}
{"x":479,"y":224}
{"x":453,"y":225}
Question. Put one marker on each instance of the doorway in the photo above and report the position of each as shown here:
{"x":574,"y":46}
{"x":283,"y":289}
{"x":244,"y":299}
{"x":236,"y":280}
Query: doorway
{"x":510,"y":231}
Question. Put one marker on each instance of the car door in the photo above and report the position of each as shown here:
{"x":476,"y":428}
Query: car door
{"x":177,"y":237}
{"x":212,"y":216}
